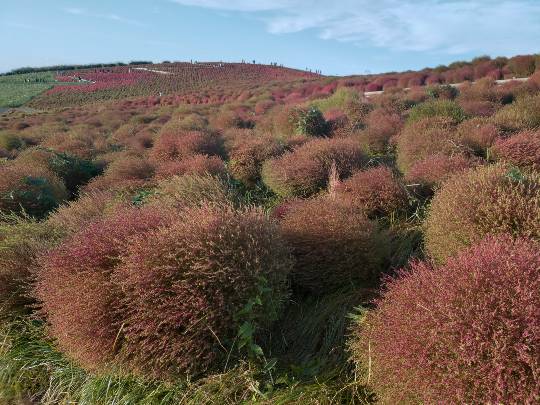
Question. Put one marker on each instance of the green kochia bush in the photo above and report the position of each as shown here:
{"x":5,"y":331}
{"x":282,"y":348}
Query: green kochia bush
{"x":310,"y":122}
{"x":467,"y":332}
{"x":437,"y":108}
{"x":22,"y":240}
{"x":487,"y":200}
{"x":165,"y":294}
{"x":29,"y":188}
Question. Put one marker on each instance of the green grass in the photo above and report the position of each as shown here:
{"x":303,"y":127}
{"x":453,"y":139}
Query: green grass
{"x":311,"y":367}
{"x":17,"y":90}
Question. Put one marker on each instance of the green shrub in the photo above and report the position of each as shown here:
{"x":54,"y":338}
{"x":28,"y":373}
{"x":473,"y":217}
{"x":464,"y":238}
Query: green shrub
{"x":487,"y":200}
{"x":522,"y":114}
{"x":29,"y":188}
{"x":437,"y":108}
{"x":310,"y":122}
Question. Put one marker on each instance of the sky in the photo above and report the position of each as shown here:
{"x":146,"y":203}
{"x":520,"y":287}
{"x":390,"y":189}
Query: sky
{"x":338,"y":37}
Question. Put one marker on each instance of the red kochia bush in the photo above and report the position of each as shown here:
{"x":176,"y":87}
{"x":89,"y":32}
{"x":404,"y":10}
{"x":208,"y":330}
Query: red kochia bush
{"x":196,"y":164}
{"x":375,"y":191}
{"x":478,"y":134}
{"x":435,"y":169}
{"x":463,"y":333}
{"x":333,"y":244}
{"x":522,"y":150}
{"x":381,"y":126}
{"x":178,"y":145}
{"x":126,"y":172}
{"x":305,"y":170}
{"x":78,"y":296}
{"x":185,"y":287}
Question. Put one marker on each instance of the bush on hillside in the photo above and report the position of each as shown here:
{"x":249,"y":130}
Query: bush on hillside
{"x":488,"y":200}
{"x":248,"y":154}
{"x":428,"y":174}
{"x":437,"y":108}
{"x":179,"y":192}
{"x":76,"y":290}
{"x":305,"y":170}
{"x":137,"y":294}
{"x":230,"y":267}
{"x":478,"y":134}
{"x":310,"y":121}
{"x":74,"y":171}
{"x":178,"y":145}
{"x":333,"y":245}
{"x":522,"y":150}
{"x":464,"y":332}
{"x":72,"y":217}
{"x":22,"y":240}
{"x":10,"y":141}
{"x":382,"y":125}
{"x":196,"y":164}
{"x":522,"y":65}
{"x":421,"y":139}
{"x":376,"y":192}
{"x":522,"y":114}
{"x":29,"y":188}
{"x":127,"y":172}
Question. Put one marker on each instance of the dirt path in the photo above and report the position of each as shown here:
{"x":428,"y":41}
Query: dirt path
{"x":153,"y":70}
{"x":498,"y":82}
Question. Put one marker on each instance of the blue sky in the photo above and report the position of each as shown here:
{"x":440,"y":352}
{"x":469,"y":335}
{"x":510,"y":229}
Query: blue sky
{"x":336,"y":36}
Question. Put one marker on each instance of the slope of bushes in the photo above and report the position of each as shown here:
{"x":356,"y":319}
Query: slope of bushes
{"x":464,"y":332}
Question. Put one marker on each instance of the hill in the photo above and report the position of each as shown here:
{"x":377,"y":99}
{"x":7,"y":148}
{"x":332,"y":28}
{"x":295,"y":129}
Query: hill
{"x":257,"y":234}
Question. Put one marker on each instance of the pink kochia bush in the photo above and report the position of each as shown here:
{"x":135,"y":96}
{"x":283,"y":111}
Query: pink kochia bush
{"x":522,"y":150}
{"x":76,"y":289}
{"x":465,"y":332}
{"x":178,"y":145}
{"x":164,"y":293}
{"x":374,"y":191}
{"x":430,"y":173}
{"x":305,"y":170}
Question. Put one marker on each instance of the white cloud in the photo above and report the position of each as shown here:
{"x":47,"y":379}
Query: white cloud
{"x":449,"y":26}
{"x":111,"y":16}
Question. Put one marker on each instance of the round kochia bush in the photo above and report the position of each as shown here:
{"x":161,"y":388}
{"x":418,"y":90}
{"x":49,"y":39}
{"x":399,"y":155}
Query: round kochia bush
{"x":306,"y":170}
{"x":333,"y":244}
{"x":29,"y":188}
{"x":521,"y":150}
{"x":74,"y":284}
{"x":166,"y":295}
{"x":465,"y":332}
{"x":424,"y":138}
{"x":375,"y":191}
{"x":193,"y":288}
{"x":487,"y":200}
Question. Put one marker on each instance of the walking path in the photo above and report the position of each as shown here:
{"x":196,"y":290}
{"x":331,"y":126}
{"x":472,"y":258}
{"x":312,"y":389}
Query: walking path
{"x":498,"y":82}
